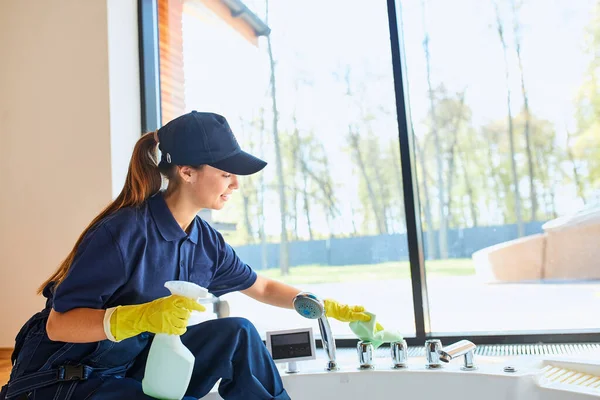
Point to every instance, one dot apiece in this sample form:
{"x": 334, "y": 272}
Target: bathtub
{"x": 534, "y": 379}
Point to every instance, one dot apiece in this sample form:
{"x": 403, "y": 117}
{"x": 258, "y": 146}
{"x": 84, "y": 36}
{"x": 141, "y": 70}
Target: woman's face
{"x": 212, "y": 187}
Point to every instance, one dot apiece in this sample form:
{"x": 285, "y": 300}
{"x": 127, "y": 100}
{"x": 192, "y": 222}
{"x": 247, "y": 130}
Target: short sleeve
{"x": 232, "y": 274}
{"x": 96, "y": 273}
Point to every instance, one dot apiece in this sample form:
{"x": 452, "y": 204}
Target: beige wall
{"x": 69, "y": 115}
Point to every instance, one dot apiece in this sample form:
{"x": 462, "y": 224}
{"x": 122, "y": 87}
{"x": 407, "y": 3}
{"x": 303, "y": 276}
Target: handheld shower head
{"x": 309, "y": 306}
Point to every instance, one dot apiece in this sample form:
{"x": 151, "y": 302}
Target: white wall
{"x": 124, "y": 78}
{"x": 69, "y": 114}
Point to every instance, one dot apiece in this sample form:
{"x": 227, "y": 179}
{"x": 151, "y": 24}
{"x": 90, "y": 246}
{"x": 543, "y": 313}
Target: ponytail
{"x": 143, "y": 180}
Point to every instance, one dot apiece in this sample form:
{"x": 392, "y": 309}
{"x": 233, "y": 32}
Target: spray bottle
{"x": 170, "y": 364}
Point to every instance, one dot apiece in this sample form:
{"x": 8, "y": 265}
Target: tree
{"x": 513, "y": 161}
{"x": 586, "y": 150}
{"x": 283, "y": 246}
{"x": 394, "y": 155}
{"x": 547, "y": 158}
{"x": 453, "y": 124}
{"x": 320, "y": 177}
{"x": 423, "y": 177}
{"x": 293, "y": 166}
{"x": 443, "y": 240}
{"x": 575, "y": 167}
{"x": 261, "y": 195}
{"x": 353, "y": 138}
{"x": 310, "y": 177}
{"x": 248, "y": 188}
{"x": 532, "y": 189}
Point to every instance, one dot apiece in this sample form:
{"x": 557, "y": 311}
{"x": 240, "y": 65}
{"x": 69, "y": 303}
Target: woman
{"x": 108, "y": 297}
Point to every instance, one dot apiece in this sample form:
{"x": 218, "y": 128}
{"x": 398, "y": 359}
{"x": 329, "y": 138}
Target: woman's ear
{"x": 187, "y": 174}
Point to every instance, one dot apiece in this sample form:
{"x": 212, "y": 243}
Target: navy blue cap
{"x": 201, "y": 138}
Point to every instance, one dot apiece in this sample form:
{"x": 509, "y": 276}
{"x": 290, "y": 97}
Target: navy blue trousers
{"x": 229, "y": 349}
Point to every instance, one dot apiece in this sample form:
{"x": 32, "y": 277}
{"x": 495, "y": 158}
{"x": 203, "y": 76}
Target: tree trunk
{"x": 306, "y": 203}
{"x": 431, "y": 247}
{"x": 326, "y": 189}
{"x": 472, "y": 205}
{"x": 296, "y": 154}
{"x": 513, "y": 161}
{"x": 261, "y": 200}
{"x": 443, "y": 240}
{"x": 382, "y": 189}
{"x": 532, "y": 189}
{"x": 576, "y": 177}
{"x": 249, "y": 233}
{"x": 354, "y": 141}
{"x": 553, "y": 202}
{"x": 494, "y": 173}
{"x": 450, "y": 179}
{"x": 295, "y": 215}
{"x": 283, "y": 246}
{"x": 246, "y": 193}
{"x": 399, "y": 186}
{"x": 543, "y": 164}
{"x": 353, "y": 219}
{"x": 465, "y": 162}
{"x": 355, "y": 145}
{"x": 452, "y": 157}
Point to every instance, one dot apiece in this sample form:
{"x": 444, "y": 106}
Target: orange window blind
{"x": 172, "y": 80}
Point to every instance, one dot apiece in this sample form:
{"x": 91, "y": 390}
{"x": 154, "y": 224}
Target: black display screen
{"x": 291, "y": 345}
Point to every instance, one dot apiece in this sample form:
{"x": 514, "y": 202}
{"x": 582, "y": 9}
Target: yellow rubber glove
{"x": 345, "y": 313}
{"x": 165, "y": 315}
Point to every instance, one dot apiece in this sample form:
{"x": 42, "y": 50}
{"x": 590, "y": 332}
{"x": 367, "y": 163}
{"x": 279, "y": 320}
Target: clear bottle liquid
{"x": 170, "y": 364}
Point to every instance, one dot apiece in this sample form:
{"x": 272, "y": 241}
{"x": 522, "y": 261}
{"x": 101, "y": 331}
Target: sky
{"x": 314, "y": 42}
{"x": 552, "y": 52}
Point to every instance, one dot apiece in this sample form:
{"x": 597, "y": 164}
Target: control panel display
{"x": 291, "y": 345}
{"x": 297, "y": 344}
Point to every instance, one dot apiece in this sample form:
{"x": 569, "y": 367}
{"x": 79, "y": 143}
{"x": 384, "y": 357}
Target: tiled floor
{"x": 4, "y": 365}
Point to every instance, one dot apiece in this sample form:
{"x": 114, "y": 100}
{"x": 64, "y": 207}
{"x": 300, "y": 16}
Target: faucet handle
{"x": 399, "y": 351}
{"x": 365, "y": 354}
{"x": 432, "y": 353}
{"x": 462, "y": 348}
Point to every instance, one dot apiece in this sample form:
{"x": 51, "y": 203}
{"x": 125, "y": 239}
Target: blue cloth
{"x": 126, "y": 259}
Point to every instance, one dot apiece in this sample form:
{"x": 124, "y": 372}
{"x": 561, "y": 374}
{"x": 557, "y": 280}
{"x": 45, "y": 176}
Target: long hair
{"x": 143, "y": 180}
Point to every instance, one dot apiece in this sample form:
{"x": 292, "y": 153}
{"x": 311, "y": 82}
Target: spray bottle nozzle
{"x": 186, "y": 289}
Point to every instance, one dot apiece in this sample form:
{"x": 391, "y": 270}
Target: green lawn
{"x": 369, "y": 272}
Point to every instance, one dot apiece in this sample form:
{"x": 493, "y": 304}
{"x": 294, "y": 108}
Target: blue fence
{"x": 377, "y": 249}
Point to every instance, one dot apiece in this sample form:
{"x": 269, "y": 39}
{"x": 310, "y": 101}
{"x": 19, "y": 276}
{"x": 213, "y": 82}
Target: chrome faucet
{"x": 435, "y": 354}
{"x": 310, "y": 306}
{"x": 365, "y": 351}
{"x": 432, "y": 353}
{"x": 462, "y": 348}
{"x": 399, "y": 352}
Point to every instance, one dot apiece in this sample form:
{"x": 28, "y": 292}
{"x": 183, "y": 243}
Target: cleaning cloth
{"x": 371, "y": 331}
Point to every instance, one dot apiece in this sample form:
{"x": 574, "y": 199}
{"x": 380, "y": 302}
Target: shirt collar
{"x": 166, "y": 223}
{"x": 193, "y": 235}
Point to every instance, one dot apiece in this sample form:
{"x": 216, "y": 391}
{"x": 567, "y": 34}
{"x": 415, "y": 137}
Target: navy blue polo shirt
{"x": 128, "y": 256}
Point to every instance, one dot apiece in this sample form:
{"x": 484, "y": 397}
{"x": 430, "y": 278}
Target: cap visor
{"x": 241, "y": 163}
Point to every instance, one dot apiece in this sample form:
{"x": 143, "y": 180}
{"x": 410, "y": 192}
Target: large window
{"x": 505, "y": 105}
{"x": 502, "y": 143}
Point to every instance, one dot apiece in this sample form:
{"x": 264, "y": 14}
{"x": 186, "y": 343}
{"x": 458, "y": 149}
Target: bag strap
{"x": 37, "y": 380}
